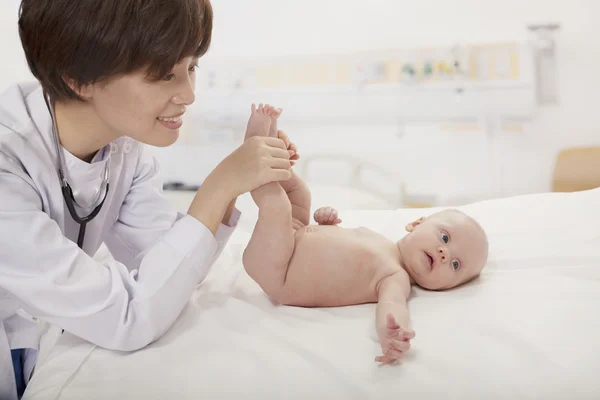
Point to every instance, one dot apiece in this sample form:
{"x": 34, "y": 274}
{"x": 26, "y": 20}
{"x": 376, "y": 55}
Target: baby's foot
{"x": 276, "y": 112}
{"x": 259, "y": 122}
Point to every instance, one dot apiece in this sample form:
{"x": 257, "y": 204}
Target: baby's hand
{"x": 291, "y": 147}
{"x": 327, "y": 216}
{"x": 395, "y": 341}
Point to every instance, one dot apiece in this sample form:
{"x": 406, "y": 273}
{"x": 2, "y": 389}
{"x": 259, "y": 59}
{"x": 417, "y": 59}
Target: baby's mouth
{"x": 430, "y": 260}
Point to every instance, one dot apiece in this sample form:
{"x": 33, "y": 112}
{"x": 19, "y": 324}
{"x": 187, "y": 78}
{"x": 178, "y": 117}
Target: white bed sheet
{"x": 529, "y": 328}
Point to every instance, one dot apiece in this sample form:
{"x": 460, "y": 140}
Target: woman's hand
{"x": 259, "y": 160}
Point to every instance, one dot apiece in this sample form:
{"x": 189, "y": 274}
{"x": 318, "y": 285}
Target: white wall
{"x": 13, "y": 66}
{"x": 522, "y": 162}
{"x": 432, "y": 161}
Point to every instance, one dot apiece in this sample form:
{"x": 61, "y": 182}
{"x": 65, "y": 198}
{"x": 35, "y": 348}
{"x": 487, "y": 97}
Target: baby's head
{"x": 443, "y": 251}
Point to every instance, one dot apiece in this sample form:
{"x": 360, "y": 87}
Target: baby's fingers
{"x": 382, "y": 359}
{"x": 394, "y": 354}
{"x": 318, "y": 215}
{"x": 326, "y": 213}
{"x": 385, "y": 359}
{"x": 400, "y": 345}
{"x": 332, "y": 216}
{"x": 407, "y": 334}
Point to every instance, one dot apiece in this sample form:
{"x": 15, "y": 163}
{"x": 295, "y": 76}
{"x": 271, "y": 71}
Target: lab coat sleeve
{"x": 147, "y": 215}
{"x": 104, "y": 304}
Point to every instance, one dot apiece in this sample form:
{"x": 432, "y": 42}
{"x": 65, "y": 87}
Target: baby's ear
{"x": 410, "y": 227}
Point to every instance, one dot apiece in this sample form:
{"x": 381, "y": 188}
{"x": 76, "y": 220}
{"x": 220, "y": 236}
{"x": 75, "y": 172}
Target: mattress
{"x": 528, "y": 328}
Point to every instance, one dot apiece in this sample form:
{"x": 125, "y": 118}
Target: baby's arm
{"x": 392, "y": 318}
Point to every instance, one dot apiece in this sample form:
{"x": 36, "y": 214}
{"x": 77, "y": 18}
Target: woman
{"x": 116, "y": 75}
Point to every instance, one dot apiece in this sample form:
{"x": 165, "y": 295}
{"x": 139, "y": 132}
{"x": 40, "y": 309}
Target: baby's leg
{"x": 268, "y": 253}
{"x": 260, "y": 124}
{"x": 295, "y": 188}
{"x": 300, "y": 198}
{"x": 267, "y": 256}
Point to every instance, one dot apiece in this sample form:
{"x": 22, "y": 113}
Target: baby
{"x": 324, "y": 265}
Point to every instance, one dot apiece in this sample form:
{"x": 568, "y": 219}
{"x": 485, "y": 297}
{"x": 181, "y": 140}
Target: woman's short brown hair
{"x": 85, "y": 41}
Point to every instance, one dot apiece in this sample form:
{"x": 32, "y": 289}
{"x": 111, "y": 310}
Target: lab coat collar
{"x": 40, "y": 116}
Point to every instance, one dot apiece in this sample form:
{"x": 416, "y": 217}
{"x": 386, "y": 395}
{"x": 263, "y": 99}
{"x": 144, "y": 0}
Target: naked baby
{"x": 325, "y": 265}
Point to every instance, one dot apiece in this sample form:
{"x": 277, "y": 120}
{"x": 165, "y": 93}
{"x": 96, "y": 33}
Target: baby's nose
{"x": 443, "y": 253}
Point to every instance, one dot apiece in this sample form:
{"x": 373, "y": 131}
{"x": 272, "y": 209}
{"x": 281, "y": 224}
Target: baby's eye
{"x": 455, "y": 265}
{"x": 445, "y": 237}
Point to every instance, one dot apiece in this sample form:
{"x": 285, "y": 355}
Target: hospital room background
{"x": 392, "y": 103}
{"x": 396, "y": 107}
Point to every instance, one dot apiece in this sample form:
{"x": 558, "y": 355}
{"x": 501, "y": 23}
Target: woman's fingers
{"x": 280, "y": 163}
{"x": 280, "y": 154}
{"x": 275, "y": 142}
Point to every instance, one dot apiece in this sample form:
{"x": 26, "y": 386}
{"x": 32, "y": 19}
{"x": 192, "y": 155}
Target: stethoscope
{"x": 67, "y": 192}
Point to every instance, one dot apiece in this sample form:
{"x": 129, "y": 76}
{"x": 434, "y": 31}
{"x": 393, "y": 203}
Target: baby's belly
{"x": 330, "y": 267}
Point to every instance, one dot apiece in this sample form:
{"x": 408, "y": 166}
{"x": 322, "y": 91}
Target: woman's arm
{"x": 103, "y": 303}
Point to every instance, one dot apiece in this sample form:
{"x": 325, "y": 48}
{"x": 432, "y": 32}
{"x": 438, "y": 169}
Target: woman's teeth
{"x": 177, "y": 119}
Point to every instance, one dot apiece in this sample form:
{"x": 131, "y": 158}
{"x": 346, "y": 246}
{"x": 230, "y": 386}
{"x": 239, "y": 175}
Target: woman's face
{"x": 148, "y": 111}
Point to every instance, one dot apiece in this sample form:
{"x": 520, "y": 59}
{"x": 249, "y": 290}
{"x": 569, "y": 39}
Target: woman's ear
{"x": 410, "y": 227}
{"x": 83, "y": 91}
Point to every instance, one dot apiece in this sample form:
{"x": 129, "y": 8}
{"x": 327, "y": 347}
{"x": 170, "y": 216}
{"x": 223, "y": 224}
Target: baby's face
{"x": 444, "y": 250}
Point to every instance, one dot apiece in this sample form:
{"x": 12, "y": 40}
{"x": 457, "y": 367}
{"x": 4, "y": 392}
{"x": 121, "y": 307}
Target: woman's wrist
{"x": 212, "y": 201}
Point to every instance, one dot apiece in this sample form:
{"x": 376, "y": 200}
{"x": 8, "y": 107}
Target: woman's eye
{"x": 455, "y": 265}
{"x": 445, "y": 237}
{"x": 193, "y": 68}
{"x": 168, "y": 77}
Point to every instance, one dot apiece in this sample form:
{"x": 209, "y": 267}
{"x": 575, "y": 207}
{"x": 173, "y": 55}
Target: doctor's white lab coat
{"x": 161, "y": 255}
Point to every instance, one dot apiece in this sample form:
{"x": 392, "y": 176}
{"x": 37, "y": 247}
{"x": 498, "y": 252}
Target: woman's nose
{"x": 185, "y": 95}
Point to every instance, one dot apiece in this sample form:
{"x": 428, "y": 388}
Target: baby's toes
{"x": 276, "y": 112}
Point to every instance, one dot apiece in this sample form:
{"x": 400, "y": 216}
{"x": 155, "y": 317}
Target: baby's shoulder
{"x": 386, "y": 262}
